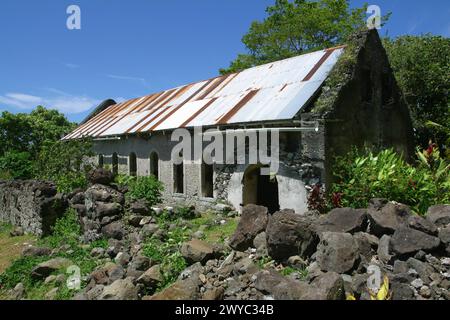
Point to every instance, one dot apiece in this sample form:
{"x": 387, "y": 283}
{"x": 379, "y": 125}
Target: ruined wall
{"x": 32, "y": 205}
{"x": 369, "y": 109}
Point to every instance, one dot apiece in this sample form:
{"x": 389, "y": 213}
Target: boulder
{"x": 187, "y": 289}
{"x": 107, "y": 209}
{"x": 384, "y": 249}
{"x": 122, "y": 289}
{"x": 197, "y": 251}
{"x": 151, "y": 278}
{"x": 327, "y": 286}
{"x": 253, "y": 221}
{"x": 281, "y": 288}
{"x": 367, "y": 244}
{"x": 407, "y": 242}
{"x": 444, "y": 236}
{"x": 421, "y": 224}
{"x": 17, "y": 232}
{"x": 439, "y": 215}
{"x": 345, "y": 220}
{"x": 102, "y": 193}
{"x": 140, "y": 207}
{"x": 134, "y": 220}
{"x": 337, "y": 252}
{"x": 33, "y": 251}
{"x": 289, "y": 234}
{"x": 100, "y": 176}
{"x": 44, "y": 269}
{"x": 388, "y": 218}
{"x": 113, "y": 230}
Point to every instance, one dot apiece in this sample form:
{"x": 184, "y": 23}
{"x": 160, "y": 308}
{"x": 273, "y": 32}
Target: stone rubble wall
{"x": 32, "y": 205}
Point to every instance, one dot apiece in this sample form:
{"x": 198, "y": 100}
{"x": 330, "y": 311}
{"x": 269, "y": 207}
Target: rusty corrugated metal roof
{"x": 275, "y": 91}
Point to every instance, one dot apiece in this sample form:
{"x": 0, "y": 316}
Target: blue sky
{"x": 131, "y": 48}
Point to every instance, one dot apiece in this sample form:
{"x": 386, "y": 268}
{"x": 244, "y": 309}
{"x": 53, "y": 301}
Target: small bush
{"x": 66, "y": 231}
{"x": 16, "y": 165}
{"x": 148, "y": 188}
{"x": 363, "y": 176}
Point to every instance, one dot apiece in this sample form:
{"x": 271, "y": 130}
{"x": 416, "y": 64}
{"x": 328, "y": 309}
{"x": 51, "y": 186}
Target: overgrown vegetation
{"x": 361, "y": 176}
{"x": 422, "y": 67}
{"x": 148, "y": 188}
{"x": 296, "y": 27}
{"x": 65, "y": 163}
{"x": 66, "y": 233}
{"x": 179, "y": 226}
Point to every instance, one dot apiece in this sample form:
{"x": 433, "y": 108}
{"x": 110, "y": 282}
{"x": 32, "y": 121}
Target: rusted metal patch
{"x": 176, "y": 108}
{"x": 198, "y": 112}
{"x": 96, "y": 120}
{"x": 249, "y": 96}
{"x": 114, "y": 118}
{"x": 318, "y": 65}
{"x": 157, "y": 105}
{"x": 212, "y": 88}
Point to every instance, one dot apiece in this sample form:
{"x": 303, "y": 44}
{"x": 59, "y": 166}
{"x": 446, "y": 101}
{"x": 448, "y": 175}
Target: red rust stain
{"x": 318, "y": 65}
{"x": 198, "y": 112}
{"x": 176, "y": 108}
{"x": 238, "y": 107}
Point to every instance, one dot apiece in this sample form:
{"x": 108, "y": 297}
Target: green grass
{"x": 66, "y": 232}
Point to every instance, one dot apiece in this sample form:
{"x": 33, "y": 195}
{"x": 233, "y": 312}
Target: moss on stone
{"x": 341, "y": 74}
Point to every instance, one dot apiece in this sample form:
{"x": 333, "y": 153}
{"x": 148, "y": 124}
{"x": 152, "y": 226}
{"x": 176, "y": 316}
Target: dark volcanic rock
{"x": 100, "y": 176}
{"x": 290, "y": 234}
{"x": 343, "y": 220}
{"x": 407, "y": 242}
{"x": 439, "y": 215}
{"x": 388, "y": 218}
{"x": 253, "y": 221}
{"x": 337, "y": 252}
{"x": 197, "y": 251}
{"x": 114, "y": 230}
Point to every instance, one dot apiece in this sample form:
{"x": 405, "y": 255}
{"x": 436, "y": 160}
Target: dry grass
{"x": 11, "y": 247}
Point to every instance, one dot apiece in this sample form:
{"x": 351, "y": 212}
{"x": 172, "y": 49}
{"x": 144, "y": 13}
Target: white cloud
{"x": 127, "y": 78}
{"x": 20, "y": 100}
{"x": 71, "y": 65}
{"x": 64, "y": 102}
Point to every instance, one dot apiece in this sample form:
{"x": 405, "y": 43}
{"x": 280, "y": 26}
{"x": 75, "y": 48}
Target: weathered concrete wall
{"x": 370, "y": 109}
{"x": 301, "y": 167}
{"x": 32, "y": 205}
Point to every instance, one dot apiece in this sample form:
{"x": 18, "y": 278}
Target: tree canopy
{"x": 23, "y": 135}
{"x": 422, "y": 68}
{"x": 296, "y": 27}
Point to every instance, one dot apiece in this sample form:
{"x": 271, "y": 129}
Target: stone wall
{"x": 32, "y": 205}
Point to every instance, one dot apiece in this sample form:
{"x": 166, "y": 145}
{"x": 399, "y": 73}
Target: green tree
{"x": 296, "y": 27}
{"x": 22, "y": 137}
{"x": 422, "y": 68}
{"x": 65, "y": 163}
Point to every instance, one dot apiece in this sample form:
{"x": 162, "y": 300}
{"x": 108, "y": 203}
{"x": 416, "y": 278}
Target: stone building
{"x": 321, "y": 104}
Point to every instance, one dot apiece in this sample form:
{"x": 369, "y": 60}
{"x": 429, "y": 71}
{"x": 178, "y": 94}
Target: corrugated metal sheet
{"x": 275, "y": 91}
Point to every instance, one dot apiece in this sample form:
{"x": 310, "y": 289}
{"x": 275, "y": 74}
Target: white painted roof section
{"x": 271, "y": 92}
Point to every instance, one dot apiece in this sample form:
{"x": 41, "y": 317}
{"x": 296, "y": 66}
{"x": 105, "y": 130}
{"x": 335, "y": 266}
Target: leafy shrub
{"x": 65, "y": 163}
{"x": 66, "y": 231}
{"x": 363, "y": 176}
{"x": 148, "y": 188}
{"x": 16, "y": 165}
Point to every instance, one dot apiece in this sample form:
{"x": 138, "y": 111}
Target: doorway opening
{"x": 260, "y": 189}
{"x": 154, "y": 165}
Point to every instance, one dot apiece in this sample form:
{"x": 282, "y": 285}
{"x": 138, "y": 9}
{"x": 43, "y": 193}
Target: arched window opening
{"x": 178, "y": 178}
{"x": 132, "y": 164}
{"x": 207, "y": 180}
{"x": 115, "y": 163}
{"x": 154, "y": 165}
